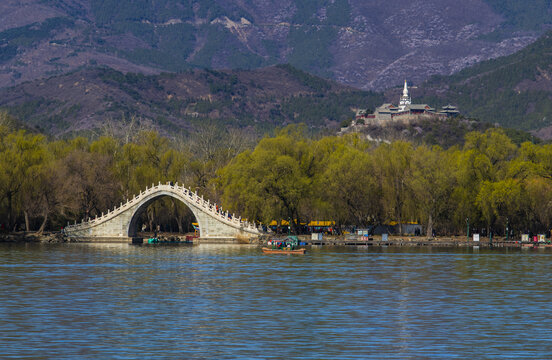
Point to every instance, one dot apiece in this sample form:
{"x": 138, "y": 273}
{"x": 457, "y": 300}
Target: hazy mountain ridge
{"x": 372, "y": 44}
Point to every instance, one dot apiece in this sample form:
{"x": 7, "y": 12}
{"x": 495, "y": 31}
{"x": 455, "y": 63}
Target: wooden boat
{"x": 529, "y": 246}
{"x": 283, "y": 251}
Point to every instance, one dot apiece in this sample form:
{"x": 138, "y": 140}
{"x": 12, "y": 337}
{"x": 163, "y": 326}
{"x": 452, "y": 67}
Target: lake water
{"x": 116, "y": 301}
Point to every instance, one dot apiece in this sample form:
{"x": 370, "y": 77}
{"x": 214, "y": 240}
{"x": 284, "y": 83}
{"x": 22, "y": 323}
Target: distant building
{"x": 405, "y": 112}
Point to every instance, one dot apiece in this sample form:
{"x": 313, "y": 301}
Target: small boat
{"x": 286, "y": 246}
{"x": 284, "y": 251}
{"x": 164, "y": 241}
{"x": 529, "y": 246}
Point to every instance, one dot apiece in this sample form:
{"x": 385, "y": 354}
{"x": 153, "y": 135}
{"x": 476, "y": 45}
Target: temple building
{"x": 405, "y": 112}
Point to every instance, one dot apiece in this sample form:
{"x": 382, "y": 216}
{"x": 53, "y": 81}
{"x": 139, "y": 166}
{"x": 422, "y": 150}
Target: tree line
{"x": 489, "y": 182}
{"x": 45, "y": 184}
{"x": 489, "y": 179}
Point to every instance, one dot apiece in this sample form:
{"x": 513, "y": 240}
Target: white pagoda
{"x": 405, "y": 98}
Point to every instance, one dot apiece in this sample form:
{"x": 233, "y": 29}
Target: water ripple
{"x": 94, "y": 301}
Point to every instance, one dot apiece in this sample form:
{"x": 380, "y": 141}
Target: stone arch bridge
{"x": 121, "y": 222}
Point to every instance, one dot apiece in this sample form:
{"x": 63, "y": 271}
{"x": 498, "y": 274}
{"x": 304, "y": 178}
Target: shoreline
{"x": 29, "y": 237}
{"x": 306, "y": 240}
{"x": 414, "y": 241}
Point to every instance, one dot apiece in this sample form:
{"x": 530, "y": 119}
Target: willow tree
{"x": 273, "y": 181}
{"x": 432, "y": 184}
{"x": 21, "y": 157}
{"x": 348, "y": 185}
{"x": 395, "y": 171}
{"x": 501, "y": 199}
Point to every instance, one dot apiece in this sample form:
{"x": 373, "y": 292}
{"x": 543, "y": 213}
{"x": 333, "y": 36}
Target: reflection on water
{"x": 231, "y": 301}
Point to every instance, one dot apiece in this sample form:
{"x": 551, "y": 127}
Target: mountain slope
{"x": 366, "y": 44}
{"x": 87, "y": 99}
{"x": 514, "y": 91}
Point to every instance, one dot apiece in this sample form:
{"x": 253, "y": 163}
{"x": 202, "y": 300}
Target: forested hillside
{"x": 366, "y": 44}
{"x": 522, "y": 15}
{"x": 514, "y": 91}
{"x": 91, "y": 100}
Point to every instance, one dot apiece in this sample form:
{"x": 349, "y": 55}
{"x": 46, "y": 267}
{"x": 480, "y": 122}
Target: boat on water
{"x": 285, "y": 246}
{"x": 164, "y": 241}
{"x": 284, "y": 251}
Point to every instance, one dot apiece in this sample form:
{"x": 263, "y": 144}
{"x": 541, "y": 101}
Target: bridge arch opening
{"x": 163, "y": 214}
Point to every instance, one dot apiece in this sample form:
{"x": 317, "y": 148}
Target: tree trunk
{"x": 43, "y": 225}
{"x": 150, "y": 221}
{"x": 10, "y": 217}
{"x": 27, "y": 227}
{"x": 400, "y": 225}
{"x": 429, "y": 232}
{"x": 177, "y": 217}
{"x": 292, "y": 223}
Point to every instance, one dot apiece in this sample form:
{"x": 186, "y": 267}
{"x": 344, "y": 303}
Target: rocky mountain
{"x": 367, "y": 44}
{"x": 92, "y": 99}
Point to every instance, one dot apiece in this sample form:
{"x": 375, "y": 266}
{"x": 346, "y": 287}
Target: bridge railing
{"x": 194, "y": 198}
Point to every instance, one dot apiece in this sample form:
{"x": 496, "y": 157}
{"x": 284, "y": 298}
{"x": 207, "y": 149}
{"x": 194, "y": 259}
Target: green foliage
{"x": 29, "y": 35}
{"x": 220, "y": 41}
{"x": 12, "y": 39}
{"x": 7, "y": 52}
{"x": 519, "y": 137}
{"x": 345, "y": 123}
{"x": 217, "y": 38}
{"x": 448, "y": 132}
{"x": 28, "y": 109}
{"x": 311, "y": 43}
{"x": 141, "y": 30}
{"x": 45, "y": 184}
{"x": 111, "y": 11}
{"x": 523, "y": 15}
{"x": 313, "y": 109}
{"x": 274, "y": 179}
{"x": 181, "y": 34}
{"x": 23, "y": 159}
{"x": 336, "y": 12}
{"x": 311, "y": 48}
{"x": 135, "y": 80}
{"x": 221, "y": 83}
{"x": 347, "y": 179}
{"x": 170, "y": 45}
{"x": 306, "y": 12}
{"x": 230, "y": 98}
{"x": 315, "y": 83}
